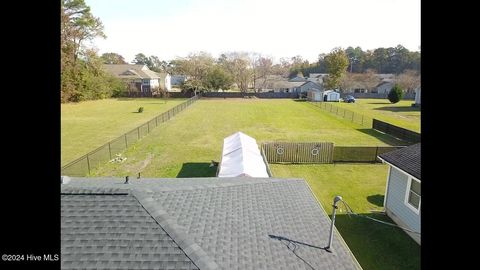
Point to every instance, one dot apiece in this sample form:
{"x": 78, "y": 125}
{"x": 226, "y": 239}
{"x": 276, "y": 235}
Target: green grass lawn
{"x": 90, "y": 124}
{"x": 362, "y": 186}
{"x": 185, "y": 145}
{"x": 401, "y": 114}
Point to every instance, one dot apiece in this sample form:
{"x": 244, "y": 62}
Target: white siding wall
{"x": 384, "y": 88}
{"x": 168, "y": 82}
{"x": 154, "y": 83}
{"x": 396, "y": 191}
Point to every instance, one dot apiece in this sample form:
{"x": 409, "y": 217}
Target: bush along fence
{"x": 321, "y": 152}
{"x": 396, "y": 131}
{"x": 344, "y": 113}
{"x": 111, "y": 150}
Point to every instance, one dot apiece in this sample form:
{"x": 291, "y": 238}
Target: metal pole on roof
{"x": 335, "y": 201}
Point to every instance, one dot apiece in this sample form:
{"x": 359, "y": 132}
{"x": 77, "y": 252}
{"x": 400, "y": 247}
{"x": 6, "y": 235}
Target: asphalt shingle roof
{"x": 114, "y": 231}
{"x": 128, "y": 71}
{"x": 218, "y": 223}
{"x": 407, "y": 159}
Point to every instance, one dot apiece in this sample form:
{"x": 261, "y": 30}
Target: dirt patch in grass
{"x": 140, "y": 165}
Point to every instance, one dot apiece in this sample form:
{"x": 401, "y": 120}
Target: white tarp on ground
{"x": 241, "y": 157}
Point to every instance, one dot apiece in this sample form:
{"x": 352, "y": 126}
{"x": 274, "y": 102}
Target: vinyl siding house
{"x": 275, "y": 83}
{"x": 384, "y": 87}
{"x": 297, "y": 79}
{"x": 403, "y": 196}
{"x": 140, "y": 77}
{"x": 309, "y": 85}
{"x": 178, "y": 79}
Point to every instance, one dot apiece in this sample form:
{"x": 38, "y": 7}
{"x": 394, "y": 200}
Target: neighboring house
{"x": 165, "y": 81}
{"x": 196, "y": 223}
{"x": 140, "y": 77}
{"x": 317, "y": 78}
{"x": 177, "y": 80}
{"x": 403, "y": 196}
{"x": 383, "y": 87}
{"x": 275, "y": 83}
{"x": 417, "y": 97}
{"x": 315, "y": 95}
{"x": 309, "y": 85}
{"x": 297, "y": 79}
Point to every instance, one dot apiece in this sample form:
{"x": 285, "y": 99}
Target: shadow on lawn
{"x": 370, "y": 240}
{"x": 196, "y": 169}
{"x": 383, "y": 137}
{"x": 398, "y": 109}
{"x": 376, "y": 199}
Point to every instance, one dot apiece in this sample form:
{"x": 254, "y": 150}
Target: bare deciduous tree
{"x": 409, "y": 80}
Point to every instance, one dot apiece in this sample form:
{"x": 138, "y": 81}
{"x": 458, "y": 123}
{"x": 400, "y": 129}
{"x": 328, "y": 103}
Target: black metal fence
{"x": 406, "y": 96}
{"x": 249, "y": 94}
{"x": 85, "y": 164}
{"x": 397, "y": 132}
{"x": 344, "y": 113}
{"x": 360, "y": 153}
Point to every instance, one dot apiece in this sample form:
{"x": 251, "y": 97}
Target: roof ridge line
{"x": 191, "y": 249}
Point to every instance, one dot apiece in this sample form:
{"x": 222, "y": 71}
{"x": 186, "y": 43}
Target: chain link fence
{"x": 344, "y": 113}
{"x": 85, "y": 164}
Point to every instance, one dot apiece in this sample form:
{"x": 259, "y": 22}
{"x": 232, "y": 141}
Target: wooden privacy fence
{"x": 321, "y": 152}
{"x": 284, "y": 152}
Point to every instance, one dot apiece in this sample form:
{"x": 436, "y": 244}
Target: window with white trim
{"x": 414, "y": 193}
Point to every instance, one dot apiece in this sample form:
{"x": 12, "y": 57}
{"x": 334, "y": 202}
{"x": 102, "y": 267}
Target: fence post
{"x": 88, "y": 164}
{"x": 110, "y": 150}
{"x": 376, "y": 153}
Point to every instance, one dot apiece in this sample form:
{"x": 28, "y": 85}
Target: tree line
{"x": 83, "y": 77}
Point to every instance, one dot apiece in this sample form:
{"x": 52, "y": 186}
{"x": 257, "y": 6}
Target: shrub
{"x": 140, "y": 110}
{"x": 395, "y": 94}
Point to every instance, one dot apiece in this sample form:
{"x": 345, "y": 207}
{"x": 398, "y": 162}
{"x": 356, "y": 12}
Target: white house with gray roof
{"x": 140, "y": 76}
{"x": 403, "y": 196}
{"x": 196, "y": 223}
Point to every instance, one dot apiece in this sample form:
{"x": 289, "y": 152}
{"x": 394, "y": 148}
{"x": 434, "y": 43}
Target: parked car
{"x": 349, "y": 99}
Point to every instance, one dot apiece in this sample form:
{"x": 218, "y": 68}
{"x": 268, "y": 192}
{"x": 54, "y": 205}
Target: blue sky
{"x": 280, "y": 28}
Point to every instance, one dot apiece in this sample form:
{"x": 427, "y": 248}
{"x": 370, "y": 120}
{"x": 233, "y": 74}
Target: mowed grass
{"x": 362, "y": 186}
{"x": 90, "y": 124}
{"x": 185, "y": 145}
{"x": 401, "y": 114}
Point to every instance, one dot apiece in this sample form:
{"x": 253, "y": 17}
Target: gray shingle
{"x": 407, "y": 159}
{"x": 114, "y": 231}
{"x": 227, "y": 223}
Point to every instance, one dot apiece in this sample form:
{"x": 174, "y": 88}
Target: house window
{"x": 414, "y": 194}
{"x": 146, "y": 81}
